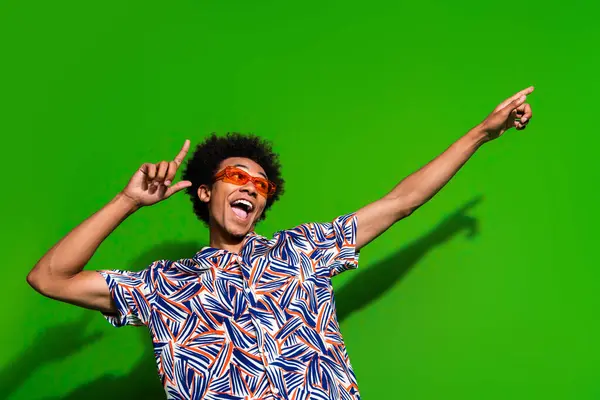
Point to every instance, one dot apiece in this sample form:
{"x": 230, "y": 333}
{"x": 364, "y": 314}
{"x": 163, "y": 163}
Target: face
{"x": 235, "y": 209}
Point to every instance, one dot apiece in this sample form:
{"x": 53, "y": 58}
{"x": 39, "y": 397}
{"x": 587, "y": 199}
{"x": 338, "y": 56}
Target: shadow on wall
{"x": 49, "y": 347}
{"x": 143, "y": 382}
{"x": 64, "y": 340}
{"x": 369, "y": 284}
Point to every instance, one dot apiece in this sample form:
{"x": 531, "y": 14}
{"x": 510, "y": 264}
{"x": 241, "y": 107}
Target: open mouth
{"x": 242, "y": 208}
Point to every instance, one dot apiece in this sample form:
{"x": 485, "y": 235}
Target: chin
{"x": 239, "y": 228}
{"x": 238, "y": 234}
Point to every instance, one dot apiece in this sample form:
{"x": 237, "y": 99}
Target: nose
{"x": 249, "y": 188}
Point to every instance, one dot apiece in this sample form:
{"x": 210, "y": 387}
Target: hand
{"x": 152, "y": 182}
{"x": 512, "y": 112}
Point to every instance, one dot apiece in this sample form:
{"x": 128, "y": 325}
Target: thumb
{"x": 177, "y": 187}
{"x": 512, "y": 105}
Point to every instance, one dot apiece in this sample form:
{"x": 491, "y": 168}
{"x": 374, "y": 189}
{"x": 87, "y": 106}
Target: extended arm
{"x": 422, "y": 185}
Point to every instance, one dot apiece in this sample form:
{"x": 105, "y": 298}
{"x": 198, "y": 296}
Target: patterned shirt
{"x": 260, "y": 324}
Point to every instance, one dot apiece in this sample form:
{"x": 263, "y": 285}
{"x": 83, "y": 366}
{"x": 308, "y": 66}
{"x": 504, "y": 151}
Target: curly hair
{"x": 203, "y": 165}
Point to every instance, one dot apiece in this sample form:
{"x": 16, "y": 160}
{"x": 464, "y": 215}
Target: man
{"x": 247, "y": 317}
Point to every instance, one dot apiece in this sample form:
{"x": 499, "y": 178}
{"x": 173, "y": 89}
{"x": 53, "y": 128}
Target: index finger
{"x": 515, "y": 96}
{"x": 182, "y": 153}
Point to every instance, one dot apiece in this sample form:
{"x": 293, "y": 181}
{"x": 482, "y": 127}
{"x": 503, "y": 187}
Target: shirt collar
{"x": 209, "y": 257}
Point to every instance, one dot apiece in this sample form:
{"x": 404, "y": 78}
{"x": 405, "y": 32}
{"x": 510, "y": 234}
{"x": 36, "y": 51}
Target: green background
{"x": 490, "y": 291}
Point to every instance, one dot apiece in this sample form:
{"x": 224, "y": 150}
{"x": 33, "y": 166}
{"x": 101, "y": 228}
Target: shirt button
{"x": 275, "y": 390}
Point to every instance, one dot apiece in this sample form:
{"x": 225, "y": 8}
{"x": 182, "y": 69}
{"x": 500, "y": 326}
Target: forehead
{"x": 243, "y": 163}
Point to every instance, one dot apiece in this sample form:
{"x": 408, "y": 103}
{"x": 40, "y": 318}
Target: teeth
{"x": 244, "y": 202}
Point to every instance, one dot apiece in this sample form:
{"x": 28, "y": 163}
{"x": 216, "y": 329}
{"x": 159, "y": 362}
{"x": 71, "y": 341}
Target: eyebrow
{"x": 245, "y": 167}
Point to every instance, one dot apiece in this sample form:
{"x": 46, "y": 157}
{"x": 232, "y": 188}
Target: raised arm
{"x": 422, "y": 185}
{"x": 59, "y": 273}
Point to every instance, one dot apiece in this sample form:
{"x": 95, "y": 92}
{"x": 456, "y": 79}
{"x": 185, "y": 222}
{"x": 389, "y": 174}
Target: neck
{"x": 220, "y": 239}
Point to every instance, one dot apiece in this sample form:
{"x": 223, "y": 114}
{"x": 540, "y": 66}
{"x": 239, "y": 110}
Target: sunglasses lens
{"x": 237, "y": 177}
{"x": 262, "y": 185}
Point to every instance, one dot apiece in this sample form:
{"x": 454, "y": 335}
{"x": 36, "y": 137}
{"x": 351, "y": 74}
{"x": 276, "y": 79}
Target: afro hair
{"x": 209, "y": 154}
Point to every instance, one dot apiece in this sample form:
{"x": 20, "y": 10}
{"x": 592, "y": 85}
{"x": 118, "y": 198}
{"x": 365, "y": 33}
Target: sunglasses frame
{"x": 223, "y": 175}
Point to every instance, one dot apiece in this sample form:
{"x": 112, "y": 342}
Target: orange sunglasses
{"x": 240, "y": 177}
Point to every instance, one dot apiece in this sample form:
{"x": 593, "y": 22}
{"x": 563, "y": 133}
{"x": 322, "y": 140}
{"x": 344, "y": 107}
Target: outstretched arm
{"x": 422, "y": 185}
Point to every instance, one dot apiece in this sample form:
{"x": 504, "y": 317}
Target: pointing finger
{"x": 515, "y": 96}
{"x": 182, "y": 153}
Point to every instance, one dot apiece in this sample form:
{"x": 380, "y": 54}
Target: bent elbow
{"x": 33, "y": 279}
{"x": 38, "y": 282}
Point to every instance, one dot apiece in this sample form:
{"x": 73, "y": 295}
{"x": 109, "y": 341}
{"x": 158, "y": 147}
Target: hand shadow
{"x": 370, "y": 284}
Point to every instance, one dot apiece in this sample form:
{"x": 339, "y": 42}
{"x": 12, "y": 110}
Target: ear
{"x": 204, "y": 193}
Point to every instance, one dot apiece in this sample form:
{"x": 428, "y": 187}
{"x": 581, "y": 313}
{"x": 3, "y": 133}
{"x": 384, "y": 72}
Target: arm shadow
{"x": 54, "y": 344}
{"x": 372, "y": 283}
{"x": 64, "y": 340}
{"x": 143, "y": 381}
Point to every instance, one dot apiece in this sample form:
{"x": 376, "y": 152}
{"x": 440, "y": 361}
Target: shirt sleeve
{"x": 132, "y": 294}
{"x": 333, "y": 244}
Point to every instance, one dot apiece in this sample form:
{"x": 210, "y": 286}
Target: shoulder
{"x": 318, "y": 231}
{"x": 168, "y": 276}
{"x": 124, "y": 274}
{"x": 149, "y": 275}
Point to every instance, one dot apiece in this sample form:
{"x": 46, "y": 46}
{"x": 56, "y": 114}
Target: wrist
{"x": 477, "y": 136}
{"x": 128, "y": 203}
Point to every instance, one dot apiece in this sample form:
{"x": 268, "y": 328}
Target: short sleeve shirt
{"x": 260, "y": 324}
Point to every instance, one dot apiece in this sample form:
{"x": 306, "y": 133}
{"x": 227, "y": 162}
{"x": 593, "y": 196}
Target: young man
{"x": 247, "y": 317}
